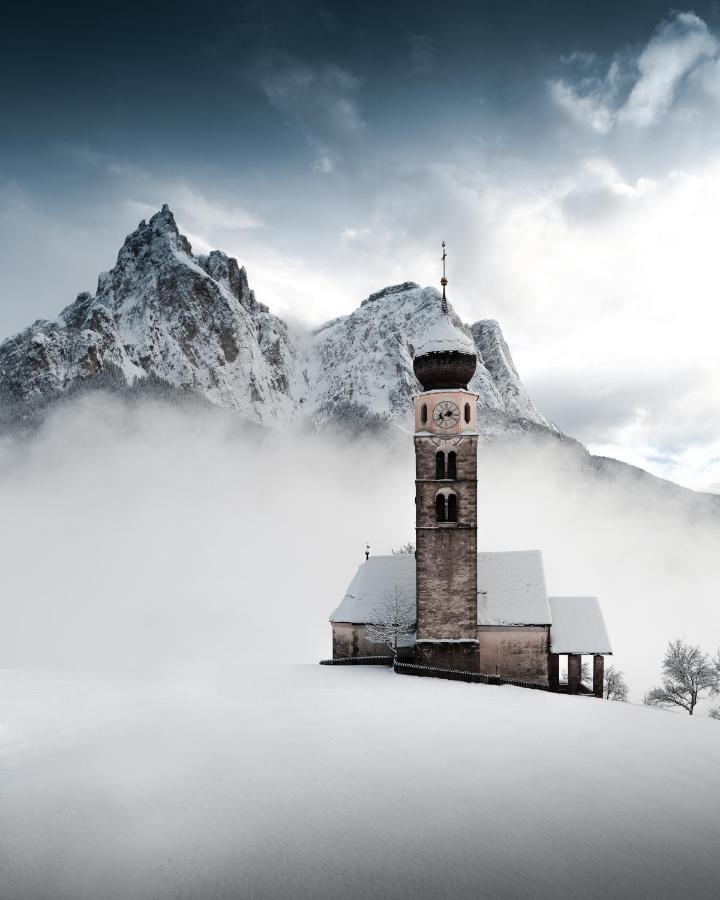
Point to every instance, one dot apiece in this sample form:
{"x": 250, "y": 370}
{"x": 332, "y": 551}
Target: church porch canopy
{"x": 578, "y": 627}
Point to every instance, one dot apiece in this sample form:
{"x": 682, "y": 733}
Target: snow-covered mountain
{"x": 194, "y": 322}
{"x": 366, "y": 358}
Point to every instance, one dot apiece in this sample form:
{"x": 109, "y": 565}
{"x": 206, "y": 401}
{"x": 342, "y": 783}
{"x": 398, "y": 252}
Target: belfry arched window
{"x": 423, "y": 414}
{"x": 439, "y": 465}
{"x": 452, "y": 465}
{"x": 467, "y": 413}
{"x": 440, "y": 512}
{"x": 446, "y": 507}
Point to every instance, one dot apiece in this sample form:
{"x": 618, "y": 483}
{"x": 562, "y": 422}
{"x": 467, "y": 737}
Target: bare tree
{"x": 586, "y": 675}
{"x": 715, "y": 711}
{"x": 406, "y": 549}
{"x": 394, "y": 620}
{"x": 687, "y": 674}
{"x": 614, "y": 685}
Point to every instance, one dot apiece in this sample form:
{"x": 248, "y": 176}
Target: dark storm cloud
{"x": 176, "y": 84}
{"x": 320, "y": 100}
{"x": 423, "y": 53}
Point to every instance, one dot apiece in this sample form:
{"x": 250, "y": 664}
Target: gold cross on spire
{"x": 443, "y": 280}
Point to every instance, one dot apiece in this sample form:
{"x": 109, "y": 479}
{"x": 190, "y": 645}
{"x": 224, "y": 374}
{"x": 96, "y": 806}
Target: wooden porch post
{"x": 598, "y": 675}
{"x": 574, "y": 672}
{"x": 553, "y": 671}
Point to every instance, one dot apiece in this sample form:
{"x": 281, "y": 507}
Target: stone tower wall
{"x": 446, "y": 556}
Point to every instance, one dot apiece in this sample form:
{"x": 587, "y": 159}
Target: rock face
{"x": 367, "y": 358}
{"x": 194, "y": 322}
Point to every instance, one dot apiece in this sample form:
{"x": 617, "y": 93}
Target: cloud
{"x": 659, "y": 421}
{"x": 198, "y": 217}
{"x": 707, "y": 76}
{"x": 207, "y": 213}
{"x": 184, "y": 198}
{"x": 325, "y": 162}
{"x": 320, "y": 99}
{"x": 598, "y": 189}
{"x": 352, "y": 234}
{"x": 639, "y": 90}
{"x": 696, "y": 466}
{"x": 423, "y": 51}
{"x": 604, "y": 284}
{"x": 46, "y": 257}
{"x": 592, "y": 108}
{"x": 303, "y": 291}
{"x": 667, "y": 59}
{"x": 87, "y": 157}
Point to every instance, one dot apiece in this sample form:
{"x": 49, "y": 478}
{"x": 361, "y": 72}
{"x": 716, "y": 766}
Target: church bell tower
{"x": 446, "y": 496}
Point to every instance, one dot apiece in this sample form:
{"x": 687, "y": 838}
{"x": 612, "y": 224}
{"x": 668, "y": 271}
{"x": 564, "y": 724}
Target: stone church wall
{"x": 349, "y": 641}
{"x": 461, "y": 655}
{"x": 519, "y": 651}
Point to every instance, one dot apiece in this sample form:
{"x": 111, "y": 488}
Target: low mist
{"x": 143, "y": 539}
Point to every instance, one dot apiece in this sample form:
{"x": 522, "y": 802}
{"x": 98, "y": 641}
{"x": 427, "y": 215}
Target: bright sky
{"x": 569, "y": 158}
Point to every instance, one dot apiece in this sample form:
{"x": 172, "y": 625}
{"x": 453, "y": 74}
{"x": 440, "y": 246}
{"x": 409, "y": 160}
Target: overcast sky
{"x": 568, "y": 153}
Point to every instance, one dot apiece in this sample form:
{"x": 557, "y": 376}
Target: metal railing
{"x": 359, "y": 661}
{"x": 402, "y": 668}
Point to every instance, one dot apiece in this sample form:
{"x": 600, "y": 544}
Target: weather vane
{"x": 443, "y": 280}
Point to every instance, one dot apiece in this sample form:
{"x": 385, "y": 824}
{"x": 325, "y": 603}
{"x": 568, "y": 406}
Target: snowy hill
{"x": 312, "y": 782}
{"x": 194, "y": 322}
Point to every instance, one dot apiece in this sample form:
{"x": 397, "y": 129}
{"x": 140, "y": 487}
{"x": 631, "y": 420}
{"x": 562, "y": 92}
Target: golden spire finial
{"x": 444, "y": 281}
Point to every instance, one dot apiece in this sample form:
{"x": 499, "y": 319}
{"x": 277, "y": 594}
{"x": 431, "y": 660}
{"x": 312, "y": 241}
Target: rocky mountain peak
{"x": 226, "y": 271}
{"x": 158, "y": 236}
{"x": 390, "y": 291}
{"x": 194, "y": 322}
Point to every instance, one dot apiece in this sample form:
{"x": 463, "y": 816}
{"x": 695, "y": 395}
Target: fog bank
{"x": 143, "y": 538}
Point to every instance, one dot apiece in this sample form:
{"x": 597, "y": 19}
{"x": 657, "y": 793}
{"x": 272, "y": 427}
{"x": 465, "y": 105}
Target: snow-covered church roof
{"x": 372, "y": 581}
{"x": 444, "y": 337}
{"x": 578, "y": 626}
{"x": 511, "y": 591}
{"x": 511, "y": 588}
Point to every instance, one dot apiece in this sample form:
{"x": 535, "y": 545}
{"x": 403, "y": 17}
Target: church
{"x": 475, "y": 611}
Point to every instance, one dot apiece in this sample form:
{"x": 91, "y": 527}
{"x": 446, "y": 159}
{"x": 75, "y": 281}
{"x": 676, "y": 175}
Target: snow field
{"x": 308, "y": 781}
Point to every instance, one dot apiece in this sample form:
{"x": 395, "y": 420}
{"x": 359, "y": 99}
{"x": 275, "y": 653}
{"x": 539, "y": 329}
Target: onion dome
{"x": 445, "y": 358}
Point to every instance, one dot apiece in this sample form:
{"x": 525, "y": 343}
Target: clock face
{"x": 446, "y": 414}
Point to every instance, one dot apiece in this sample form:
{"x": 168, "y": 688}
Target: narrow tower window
{"x": 452, "y": 465}
{"x": 467, "y": 413}
{"x": 452, "y": 508}
{"x": 423, "y": 414}
{"x": 440, "y": 508}
{"x": 439, "y": 465}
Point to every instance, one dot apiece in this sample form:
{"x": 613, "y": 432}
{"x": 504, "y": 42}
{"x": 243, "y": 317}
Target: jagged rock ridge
{"x": 194, "y": 322}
